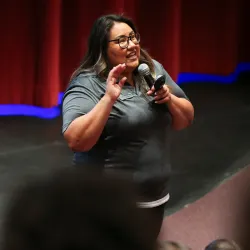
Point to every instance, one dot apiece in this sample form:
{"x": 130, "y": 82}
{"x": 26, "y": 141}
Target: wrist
{"x": 108, "y": 100}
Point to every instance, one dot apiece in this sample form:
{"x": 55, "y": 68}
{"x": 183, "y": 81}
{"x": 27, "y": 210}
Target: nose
{"x": 130, "y": 43}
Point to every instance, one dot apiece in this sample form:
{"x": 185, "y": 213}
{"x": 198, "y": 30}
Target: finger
{"x": 116, "y": 71}
{"x": 162, "y": 96}
{"x": 164, "y": 100}
{"x": 122, "y": 81}
{"x": 151, "y": 91}
{"x": 162, "y": 93}
{"x": 163, "y": 89}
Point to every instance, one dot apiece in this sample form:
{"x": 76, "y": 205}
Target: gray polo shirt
{"x": 136, "y": 139}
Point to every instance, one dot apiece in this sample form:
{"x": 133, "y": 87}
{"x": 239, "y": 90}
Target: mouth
{"x": 132, "y": 55}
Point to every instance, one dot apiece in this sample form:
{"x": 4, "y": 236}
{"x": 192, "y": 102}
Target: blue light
{"x": 202, "y": 78}
{"x": 60, "y": 97}
{"x": 50, "y": 113}
{"x": 28, "y": 110}
{"x": 207, "y": 78}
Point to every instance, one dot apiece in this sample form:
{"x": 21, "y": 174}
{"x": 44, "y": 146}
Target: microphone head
{"x": 144, "y": 70}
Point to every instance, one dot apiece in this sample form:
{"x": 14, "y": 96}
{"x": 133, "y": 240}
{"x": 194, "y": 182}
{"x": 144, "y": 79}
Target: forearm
{"x": 84, "y": 131}
{"x": 182, "y": 112}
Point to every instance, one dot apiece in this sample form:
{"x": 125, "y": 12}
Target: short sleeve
{"x": 78, "y": 100}
{"x": 175, "y": 88}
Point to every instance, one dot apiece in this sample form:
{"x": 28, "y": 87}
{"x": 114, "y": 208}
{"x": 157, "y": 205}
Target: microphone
{"x": 144, "y": 70}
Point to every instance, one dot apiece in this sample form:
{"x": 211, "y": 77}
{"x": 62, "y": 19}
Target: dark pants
{"x": 154, "y": 219}
{"x": 153, "y": 216}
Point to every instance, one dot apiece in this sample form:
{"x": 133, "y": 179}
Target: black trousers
{"x": 153, "y": 219}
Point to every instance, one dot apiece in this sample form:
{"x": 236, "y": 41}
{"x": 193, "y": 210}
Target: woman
{"x": 111, "y": 117}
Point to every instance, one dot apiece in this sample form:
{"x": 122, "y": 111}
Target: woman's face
{"x": 117, "y": 54}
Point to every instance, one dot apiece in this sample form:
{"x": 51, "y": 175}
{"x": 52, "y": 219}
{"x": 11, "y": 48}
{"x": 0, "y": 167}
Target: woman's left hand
{"x": 163, "y": 95}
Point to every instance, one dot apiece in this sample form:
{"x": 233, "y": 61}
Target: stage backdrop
{"x": 43, "y": 41}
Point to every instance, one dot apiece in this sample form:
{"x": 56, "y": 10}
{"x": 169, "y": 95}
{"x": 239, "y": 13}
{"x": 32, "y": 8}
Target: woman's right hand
{"x": 113, "y": 89}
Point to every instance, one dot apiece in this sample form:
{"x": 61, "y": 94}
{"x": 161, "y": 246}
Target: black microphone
{"x": 144, "y": 70}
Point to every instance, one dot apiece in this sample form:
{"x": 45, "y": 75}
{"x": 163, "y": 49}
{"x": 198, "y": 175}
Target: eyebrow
{"x": 131, "y": 32}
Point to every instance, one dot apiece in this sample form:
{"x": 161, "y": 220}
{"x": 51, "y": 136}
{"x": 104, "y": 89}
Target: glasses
{"x": 124, "y": 40}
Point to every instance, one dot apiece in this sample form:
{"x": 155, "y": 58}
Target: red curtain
{"x": 43, "y": 41}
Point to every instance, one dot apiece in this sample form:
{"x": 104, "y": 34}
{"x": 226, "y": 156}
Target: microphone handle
{"x": 150, "y": 80}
